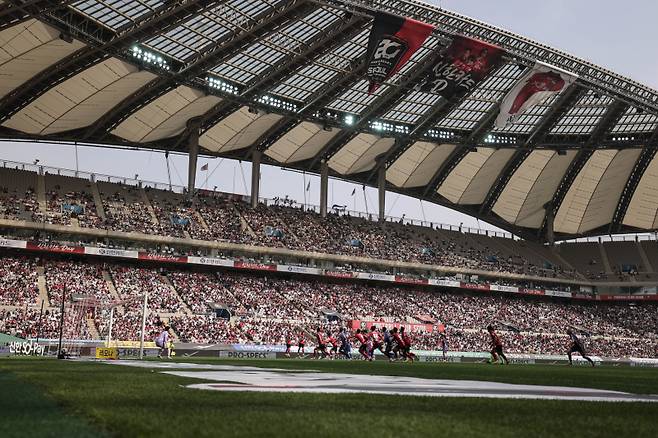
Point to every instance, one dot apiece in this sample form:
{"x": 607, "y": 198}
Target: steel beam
{"x": 324, "y": 188}
{"x": 548, "y": 121}
{"x": 641, "y": 165}
{"x": 222, "y": 49}
{"x": 166, "y": 17}
{"x": 255, "y": 177}
{"x": 523, "y": 49}
{"x": 13, "y": 12}
{"x": 461, "y": 151}
{"x": 613, "y": 113}
{"x": 380, "y": 106}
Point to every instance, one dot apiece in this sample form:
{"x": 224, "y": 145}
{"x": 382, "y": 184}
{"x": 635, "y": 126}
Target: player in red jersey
{"x": 301, "y": 345}
{"x": 288, "y": 343}
{"x": 406, "y": 339}
{"x": 321, "y": 344}
{"x": 334, "y": 345}
{"x": 398, "y": 349}
{"x": 377, "y": 344}
{"x": 363, "y": 348}
{"x": 496, "y": 346}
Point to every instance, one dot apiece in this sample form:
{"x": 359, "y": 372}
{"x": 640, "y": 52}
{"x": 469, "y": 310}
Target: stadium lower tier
{"x": 222, "y": 306}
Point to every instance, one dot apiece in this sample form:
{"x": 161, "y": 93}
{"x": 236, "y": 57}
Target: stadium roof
{"x": 286, "y": 78}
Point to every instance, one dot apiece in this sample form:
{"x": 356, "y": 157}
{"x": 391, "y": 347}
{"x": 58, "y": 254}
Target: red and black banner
{"x": 460, "y": 67}
{"x": 392, "y": 41}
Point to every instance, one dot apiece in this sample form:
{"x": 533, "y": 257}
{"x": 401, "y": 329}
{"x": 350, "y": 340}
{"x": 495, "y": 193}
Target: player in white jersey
{"x": 163, "y": 342}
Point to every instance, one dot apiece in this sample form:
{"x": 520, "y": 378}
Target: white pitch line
{"x": 255, "y": 379}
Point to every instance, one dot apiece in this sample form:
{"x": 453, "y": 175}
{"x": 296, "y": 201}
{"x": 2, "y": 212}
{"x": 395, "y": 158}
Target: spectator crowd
{"x": 230, "y": 307}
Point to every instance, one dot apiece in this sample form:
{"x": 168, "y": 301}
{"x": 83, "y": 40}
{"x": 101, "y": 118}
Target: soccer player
{"x": 301, "y": 344}
{"x": 321, "y": 344}
{"x": 388, "y": 343}
{"x": 363, "y": 348}
{"x": 398, "y": 348}
{"x": 288, "y": 344}
{"x": 496, "y": 346}
{"x": 443, "y": 343}
{"x": 162, "y": 341}
{"x": 577, "y": 347}
{"x": 406, "y": 340}
{"x": 334, "y": 345}
{"x": 345, "y": 345}
{"x": 376, "y": 340}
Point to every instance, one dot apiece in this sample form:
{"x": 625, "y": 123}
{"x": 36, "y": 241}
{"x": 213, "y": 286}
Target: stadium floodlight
{"x": 221, "y": 85}
{"x": 278, "y": 103}
{"x": 147, "y": 57}
{"x": 349, "y": 119}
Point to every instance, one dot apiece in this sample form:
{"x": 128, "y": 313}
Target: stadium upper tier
{"x": 285, "y": 79}
{"x": 278, "y": 228}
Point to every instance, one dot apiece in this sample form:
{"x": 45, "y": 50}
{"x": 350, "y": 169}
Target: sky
{"x": 619, "y": 38}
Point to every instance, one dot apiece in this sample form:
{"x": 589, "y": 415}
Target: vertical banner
{"x": 460, "y": 67}
{"x": 392, "y": 41}
{"x": 533, "y": 88}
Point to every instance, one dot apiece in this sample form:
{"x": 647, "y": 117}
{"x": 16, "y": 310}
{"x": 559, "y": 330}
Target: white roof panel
{"x": 533, "y": 184}
{"x": 485, "y": 178}
{"x": 80, "y": 100}
{"x": 237, "y": 131}
{"x": 416, "y": 166}
{"x": 359, "y": 154}
{"x": 642, "y": 211}
{"x": 461, "y": 176}
{"x": 28, "y": 48}
{"x": 572, "y": 209}
{"x": 301, "y": 143}
{"x": 166, "y": 116}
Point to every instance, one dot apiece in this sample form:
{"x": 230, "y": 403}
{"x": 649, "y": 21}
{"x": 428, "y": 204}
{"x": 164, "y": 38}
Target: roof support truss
{"x": 613, "y": 113}
{"x": 13, "y": 12}
{"x": 222, "y": 49}
{"x": 380, "y": 106}
{"x": 160, "y": 20}
{"x": 548, "y": 121}
{"x": 641, "y": 165}
{"x": 461, "y": 151}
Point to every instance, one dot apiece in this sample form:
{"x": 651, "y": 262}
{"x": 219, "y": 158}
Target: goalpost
{"x": 74, "y": 331}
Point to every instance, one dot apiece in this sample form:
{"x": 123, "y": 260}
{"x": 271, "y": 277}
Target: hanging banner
{"x": 460, "y": 67}
{"x": 533, "y": 88}
{"x": 393, "y": 40}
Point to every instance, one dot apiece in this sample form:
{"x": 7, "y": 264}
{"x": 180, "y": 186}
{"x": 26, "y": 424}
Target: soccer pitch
{"x": 45, "y": 397}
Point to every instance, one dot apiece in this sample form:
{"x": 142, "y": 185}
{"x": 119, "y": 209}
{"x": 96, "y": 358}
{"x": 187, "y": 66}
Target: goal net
{"x": 82, "y": 315}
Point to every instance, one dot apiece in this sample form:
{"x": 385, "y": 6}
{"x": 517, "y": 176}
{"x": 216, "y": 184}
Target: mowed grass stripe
{"x": 130, "y": 401}
{"x": 25, "y": 410}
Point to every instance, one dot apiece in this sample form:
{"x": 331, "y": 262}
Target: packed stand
{"x": 200, "y": 291}
{"x": 18, "y": 281}
{"x": 79, "y": 278}
{"x": 132, "y": 283}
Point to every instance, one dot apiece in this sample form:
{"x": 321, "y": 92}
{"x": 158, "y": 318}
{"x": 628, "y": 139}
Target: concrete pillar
{"x": 381, "y": 186}
{"x": 550, "y": 220}
{"x": 255, "y": 177}
{"x": 324, "y": 188}
{"x": 193, "y": 154}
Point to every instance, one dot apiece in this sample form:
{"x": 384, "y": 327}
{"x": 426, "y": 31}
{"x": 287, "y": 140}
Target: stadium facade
{"x": 284, "y": 83}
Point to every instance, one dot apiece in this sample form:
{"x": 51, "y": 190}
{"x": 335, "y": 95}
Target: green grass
{"x": 126, "y": 401}
{"x": 26, "y": 410}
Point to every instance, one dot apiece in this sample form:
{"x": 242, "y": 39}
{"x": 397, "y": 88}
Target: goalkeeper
{"x": 163, "y": 341}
